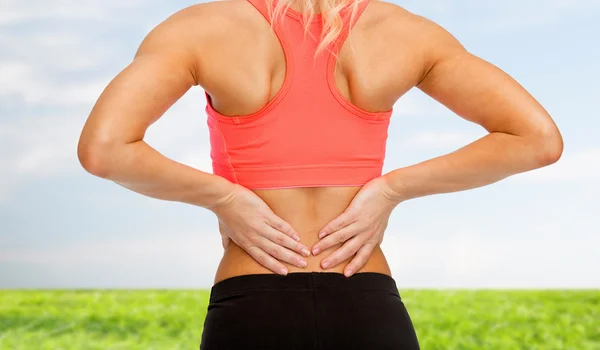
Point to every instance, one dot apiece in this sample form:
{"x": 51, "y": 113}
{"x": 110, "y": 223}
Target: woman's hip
{"x": 307, "y": 310}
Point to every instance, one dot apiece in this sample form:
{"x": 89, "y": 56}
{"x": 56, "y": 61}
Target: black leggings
{"x": 307, "y": 311}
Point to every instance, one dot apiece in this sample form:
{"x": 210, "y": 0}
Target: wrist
{"x": 392, "y": 189}
{"x": 224, "y": 193}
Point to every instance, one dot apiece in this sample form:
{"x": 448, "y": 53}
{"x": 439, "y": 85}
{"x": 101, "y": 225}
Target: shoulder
{"x": 225, "y": 12}
{"x": 192, "y": 35}
{"x": 199, "y": 24}
{"x": 401, "y": 24}
{"x": 401, "y": 29}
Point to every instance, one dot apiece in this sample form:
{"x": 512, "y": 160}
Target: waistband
{"x": 303, "y": 281}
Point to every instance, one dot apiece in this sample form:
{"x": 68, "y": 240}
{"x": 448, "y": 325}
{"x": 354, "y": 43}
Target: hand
{"x": 247, "y": 220}
{"x": 360, "y": 227}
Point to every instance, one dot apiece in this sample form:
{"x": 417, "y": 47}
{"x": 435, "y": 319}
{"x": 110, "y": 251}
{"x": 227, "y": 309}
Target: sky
{"x": 61, "y": 227}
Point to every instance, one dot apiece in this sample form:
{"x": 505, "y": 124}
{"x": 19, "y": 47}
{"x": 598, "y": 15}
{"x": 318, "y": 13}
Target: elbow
{"x": 94, "y": 157}
{"x": 548, "y": 146}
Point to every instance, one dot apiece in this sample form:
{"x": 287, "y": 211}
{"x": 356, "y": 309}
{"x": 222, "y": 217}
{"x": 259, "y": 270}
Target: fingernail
{"x": 305, "y": 251}
{"x": 303, "y": 263}
{"x": 326, "y": 264}
{"x": 321, "y": 234}
{"x": 283, "y": 271}
{"x": 316, "y": 251}
{"x": 297, "y": 238}
{"x": 348, "y": 273}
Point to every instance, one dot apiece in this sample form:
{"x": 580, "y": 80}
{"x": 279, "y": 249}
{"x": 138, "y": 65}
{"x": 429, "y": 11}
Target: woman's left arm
{"x": 522, "y": 136}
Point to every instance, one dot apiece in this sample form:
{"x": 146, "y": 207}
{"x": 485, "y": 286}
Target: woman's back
{"x": 245, "y": 68}
{"x": 308, "y": 210}
{"x": 244, "y": 64}
{"x": 308, "y": 158}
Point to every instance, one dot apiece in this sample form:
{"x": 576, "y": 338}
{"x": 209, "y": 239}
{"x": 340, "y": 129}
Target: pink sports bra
{"x": 309, "y": 134}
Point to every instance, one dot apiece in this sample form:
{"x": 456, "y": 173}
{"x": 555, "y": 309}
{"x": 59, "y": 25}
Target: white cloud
{"x": 574, "y": 166}
{"x": 16, "y": 11}
{"x": 447, "y": 140}
{"x": 176, "y": 259}
{"x": 510, "y": 15}
{"x": 485, "y": 258}
{"x": 32, "y": 73}
{"x": 200, "y": 161}
{"x": 46, "y": 146}
{"x": 118, "y": 251}
{"x": 42, "y": 141}
{"x": 415, "y": 103}
{"x": 42, "y": 146}
{"x": 11, "y": 72}
{"x": 37, "y": 148}
{"x": 25, "y": 82}
{"x": 54, "y": 49}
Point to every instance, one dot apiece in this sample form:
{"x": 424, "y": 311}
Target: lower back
{"x": 307, "y": 210}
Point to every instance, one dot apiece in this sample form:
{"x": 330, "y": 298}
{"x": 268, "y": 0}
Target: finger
{"x": 335, "y": 238}
{"x": 281, "y": 239}
{"x": 266, "y": 260}
{"x": 342, "y": 253}
{"x": 360, "y": 259}
{"x": 338, "y": 223}
{"x": 280, "y": 253}
{"x": 282, "y": 226}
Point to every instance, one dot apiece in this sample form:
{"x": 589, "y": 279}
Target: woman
{"x": 299, "y": 98}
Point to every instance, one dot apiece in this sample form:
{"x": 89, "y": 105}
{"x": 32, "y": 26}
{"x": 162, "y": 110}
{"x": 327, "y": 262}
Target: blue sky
{"x": 61, "y": 227}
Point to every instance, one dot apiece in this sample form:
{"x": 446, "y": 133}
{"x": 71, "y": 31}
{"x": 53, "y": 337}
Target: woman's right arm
{"x": 111, "y": 145}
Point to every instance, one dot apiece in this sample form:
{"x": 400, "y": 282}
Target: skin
{"x": 264, "y": 231}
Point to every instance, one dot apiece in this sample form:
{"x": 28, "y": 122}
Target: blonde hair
{"x": 331, "y": 18}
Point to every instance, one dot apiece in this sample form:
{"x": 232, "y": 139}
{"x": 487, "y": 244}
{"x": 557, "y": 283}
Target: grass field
{"x": 487, "y": 320}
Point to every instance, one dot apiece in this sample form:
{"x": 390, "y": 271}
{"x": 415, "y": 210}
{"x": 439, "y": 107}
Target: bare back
{"x": 229, "y": 49}
{"x": 243, "y": 67}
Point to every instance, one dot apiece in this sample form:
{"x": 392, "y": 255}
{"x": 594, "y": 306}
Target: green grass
{"x": 146, "y": 320}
